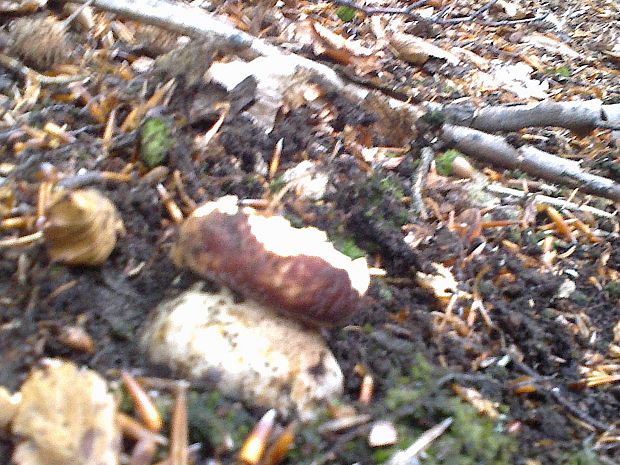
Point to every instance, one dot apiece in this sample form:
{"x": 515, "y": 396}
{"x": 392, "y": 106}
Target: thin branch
{"x": 436, "y": 19}
{"x": 510, "y": 22}
{"x": 374, "y": 10}
{"x": 26, "y": 72}
{"x": 409, "y": 455}
{"x": 417, "y": 203}
{"x": 474, "y": 15}
{"x": 578, "y": 116}
{"x": 495, "y": 149}
{"x": 196, "y": 22}
{"x": 545, "y": 199}
{"x": 556, "y": 394}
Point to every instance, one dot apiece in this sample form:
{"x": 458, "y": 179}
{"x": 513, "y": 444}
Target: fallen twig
{"x": 579, "y": 116}
{"x": 196, "y": 22}
{"x": 496, "y": 150}
{"x": 540, "y": 198}
{"x": 417, "y": 203}
{"x": 26, "y": 72}
{"x": 437, "y": 19}
{"x": 556, "y": 394}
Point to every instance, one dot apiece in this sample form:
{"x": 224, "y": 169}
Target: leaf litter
{"x": 489, "y": 334}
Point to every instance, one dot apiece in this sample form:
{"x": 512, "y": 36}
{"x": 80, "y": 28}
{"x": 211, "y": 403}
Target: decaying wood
{"x": 579, "y": 116}
{"x": 495, "y": 149}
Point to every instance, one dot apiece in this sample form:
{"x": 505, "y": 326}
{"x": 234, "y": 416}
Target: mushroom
{"x": 81, "y": 227}
{"x": 295, "y": 271}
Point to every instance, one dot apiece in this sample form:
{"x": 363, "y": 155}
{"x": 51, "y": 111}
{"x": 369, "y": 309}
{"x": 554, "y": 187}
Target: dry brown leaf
{"x": 332, "y": 40}
{"x": 483, "y": 406}
{"x": 66, "y": 416}
{"x": 550, "y": 44}
{"x": 342, "y": 50}
{"x": 417, "y": 51}
{"x": 21, "y": 7}
{"x": 480, "y": 62}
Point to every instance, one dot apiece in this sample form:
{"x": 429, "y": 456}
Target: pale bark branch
{"x": 419, "y": 181}
{"x": 499, "y": 189}
{"x": 196, "y": 22}
{"x": 579, "y": 116}
{"x": 495, "y": 149}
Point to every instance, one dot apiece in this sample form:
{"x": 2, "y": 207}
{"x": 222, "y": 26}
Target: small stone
{"x": 566, "y": 289}
{"x": 248, "y": 351}
{"x": 382, "y": 433}
{"x": 308, "y": 181}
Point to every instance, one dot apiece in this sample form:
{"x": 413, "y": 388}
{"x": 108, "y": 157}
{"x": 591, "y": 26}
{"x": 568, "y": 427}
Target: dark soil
{"x": 533, "y": 332}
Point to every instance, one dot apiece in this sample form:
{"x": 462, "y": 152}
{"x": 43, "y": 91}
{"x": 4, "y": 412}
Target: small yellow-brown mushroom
{"x": 81, "y": 227}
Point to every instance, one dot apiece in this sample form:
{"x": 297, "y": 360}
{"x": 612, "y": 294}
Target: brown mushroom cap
{"x": 295, "y": 271}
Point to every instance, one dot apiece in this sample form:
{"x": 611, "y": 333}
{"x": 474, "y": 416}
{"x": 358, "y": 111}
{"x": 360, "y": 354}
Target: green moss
{"x": 277, "y": 184}
{"x": 561, "y": 71}
{"x": 389, "y": 185}
{"x": 121, "y": 331}
{"x": 414, "y": 403}
{"x": 382, "y": 455}
{"x": 531, "y": 238}
{"x": 583, "y": 457}
{"x": 579, "y": 298}
{"x": 56, "y": 269}
{"x": 448, "y": 88}
{"x": 514, "y": 235}
{"x": 308, "y": 443}
{"x": 348, "y": 247}
{"x": 214, "y": 420}
{"x": 385, "y": 293}
{"x": 345, "y": 13}
{"x": 155, "y": 141}
{"x": 470, "y": 439}
{"x": 444, "y": 161}
{"x": 384, "y": 194}
{"x": 434, "y": 118}
{"x": 422, "y": 371}
{"x": 613, "y": 289}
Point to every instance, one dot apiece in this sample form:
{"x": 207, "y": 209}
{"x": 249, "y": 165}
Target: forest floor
{"x": 524, "y": 362}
